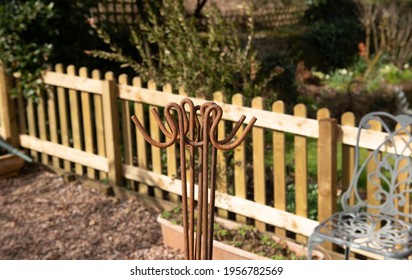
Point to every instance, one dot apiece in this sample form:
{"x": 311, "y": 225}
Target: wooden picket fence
{"x": 82, "y": 124}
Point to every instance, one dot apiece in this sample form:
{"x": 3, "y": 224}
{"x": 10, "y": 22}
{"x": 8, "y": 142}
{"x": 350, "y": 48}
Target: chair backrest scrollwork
{"x": 391, "y": 176}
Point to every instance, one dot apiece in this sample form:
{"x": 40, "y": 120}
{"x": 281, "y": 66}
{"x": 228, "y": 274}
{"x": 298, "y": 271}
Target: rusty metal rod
{"x": 196, "y": 128}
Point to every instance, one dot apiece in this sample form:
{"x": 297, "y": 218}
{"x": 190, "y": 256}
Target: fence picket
{"x": 126, "y": 124}
{"x": 21, "y": 109}
{"x": 402, "y": 179}
{"x": 348, "y": 156}
{"x": 51, "y": 111}
{"x": 125, "y": 115}
{"x": 322, "y": 113}
{"x": 140, "y": 142}
{"x": 154, "y": 133}
{"x": 75, "y": 119}
{"x": 171, "y": 155}
{"x": 301, "y": 170}
{"x": 87, "y": 122}
{"x": 372, "y": 183}
{"x": 31, "y": 121}
{"x": 259, "y": 161}
{"x": 190, "y": 151}
{"x": 239, "y": 161}
{"x": 63, "y": 117}
{"x": 279, "y": 166}
{"x": 221, "y": 168}
{"x": 41, "y": 114}
{"x": 109, "y": 76}
{"x": 99, "y": 124}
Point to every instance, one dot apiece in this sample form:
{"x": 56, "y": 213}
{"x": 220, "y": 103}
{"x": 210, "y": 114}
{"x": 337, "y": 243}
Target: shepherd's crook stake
{"x": 199, "y": 133}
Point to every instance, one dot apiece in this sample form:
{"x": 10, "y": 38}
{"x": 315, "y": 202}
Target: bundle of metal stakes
{"x": 195, "y": 128}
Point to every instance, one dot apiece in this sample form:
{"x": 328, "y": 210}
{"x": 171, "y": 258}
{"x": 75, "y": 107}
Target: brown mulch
{"x": 42, "y": 217}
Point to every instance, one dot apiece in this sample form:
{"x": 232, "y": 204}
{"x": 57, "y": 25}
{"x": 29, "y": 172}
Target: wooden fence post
{"x": 112, "y": 132}
{"x": 327, "y": 171}
{"x": 8, "y": 119}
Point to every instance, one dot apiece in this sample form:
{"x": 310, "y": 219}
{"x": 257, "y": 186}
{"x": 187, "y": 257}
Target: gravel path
{"x": 42, "y": 217}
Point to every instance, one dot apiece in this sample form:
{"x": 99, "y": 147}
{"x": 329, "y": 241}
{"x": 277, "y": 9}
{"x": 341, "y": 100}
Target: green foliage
{"x": 170, "y": 46}
{"x": 166, "y": 215}
{"x": 36, "y": 33}
{"x": 332, "y": 33}
{"x": 371, "y": 79}
{"x": 220, "y": 232}
{"x": 23, "y": 24}
{"x": 244, "y": 229}
{"x": 312, "y": 200}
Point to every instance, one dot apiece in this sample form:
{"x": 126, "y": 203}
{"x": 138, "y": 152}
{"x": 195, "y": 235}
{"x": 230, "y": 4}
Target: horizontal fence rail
{"x": 82, "y": 124}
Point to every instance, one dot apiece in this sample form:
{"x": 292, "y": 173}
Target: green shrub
{"x": 171, "y": 46}
{"x": 332, "y": 33}
{"x": 37, "y": 33}
{"x": 23, "y": 25}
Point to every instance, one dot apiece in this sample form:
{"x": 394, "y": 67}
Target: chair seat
{"x": 380, "y": 234}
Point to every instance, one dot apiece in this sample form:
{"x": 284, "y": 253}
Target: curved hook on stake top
{"x": 222, "y": 144}
{"x": 191, "y": 122}
{"x": 171, "y": 123}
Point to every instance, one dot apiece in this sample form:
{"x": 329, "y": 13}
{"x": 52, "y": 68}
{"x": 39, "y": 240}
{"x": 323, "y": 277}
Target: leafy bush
{"x": 23, "y": 24}
{"x": 332, "y": 33}
{"x": 37, "y": 33}
{"x": 170, "y": 46}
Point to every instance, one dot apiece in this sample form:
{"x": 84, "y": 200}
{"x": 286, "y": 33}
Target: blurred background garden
{"x": 343, "y": 54}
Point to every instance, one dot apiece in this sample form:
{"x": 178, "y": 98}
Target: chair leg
{"x": 347, "y": 252}
{"x": 312, "y": 241}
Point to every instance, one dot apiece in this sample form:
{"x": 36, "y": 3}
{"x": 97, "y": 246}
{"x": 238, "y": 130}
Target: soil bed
{"x": 245, "y": 237}
{"x": 42, "y": 217}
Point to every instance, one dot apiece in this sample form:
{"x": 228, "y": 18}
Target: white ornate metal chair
{"x": 381, "y": 226}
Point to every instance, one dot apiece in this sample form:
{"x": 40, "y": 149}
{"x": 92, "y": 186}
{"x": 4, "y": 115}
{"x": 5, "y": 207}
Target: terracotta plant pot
{"x": 173, "y": 237}
{"x": 10, "y": 165}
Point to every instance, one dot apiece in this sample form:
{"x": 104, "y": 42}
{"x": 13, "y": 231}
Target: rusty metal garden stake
{"x": 200, "y": 135}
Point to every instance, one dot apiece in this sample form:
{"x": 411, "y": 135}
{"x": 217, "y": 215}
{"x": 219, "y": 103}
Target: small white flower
{"x": 406, "y": 66}
{"x": 318, "y": 74}
{"x": 167, "y": 52}
{"x": 343, "y": 71}
{"x": 327, "y": 77}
